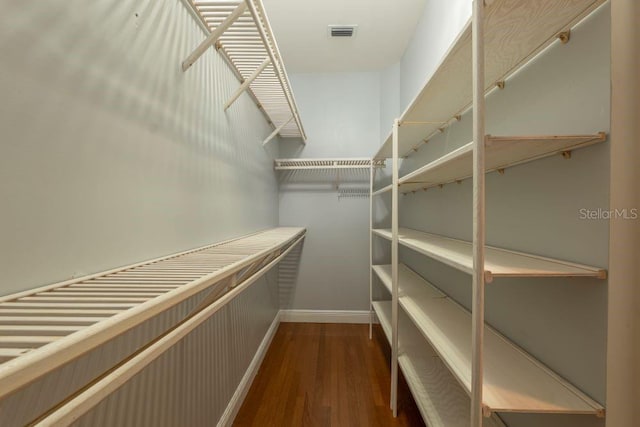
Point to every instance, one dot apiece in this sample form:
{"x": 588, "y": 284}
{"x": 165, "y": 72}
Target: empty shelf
{"x": 47, "y": 327}
{"x": 513, "y": 380}
{"x": 383, "y": 312}
{"x": 515, "y": 31}
{"x": 498, "y": 262}
{"x": 501, "y": 153}
{"x": 346, "y": 163}
{"x": 439, "y": 397}
{"x": 245, "y": 45}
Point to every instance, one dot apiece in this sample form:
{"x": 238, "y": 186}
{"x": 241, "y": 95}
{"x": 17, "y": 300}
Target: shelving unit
{"x": 501, "y": 37}
{"x": 241, "y": 32}
{"x": 501, "y": 153}
{"x": 336, "y": 172}
{"x": 439, "y": 397}
{"x": 58, "y": 323}
{"x": 515, "y": 32}
{"x": 514, "y": 380}
{"x": 498, "y": 262}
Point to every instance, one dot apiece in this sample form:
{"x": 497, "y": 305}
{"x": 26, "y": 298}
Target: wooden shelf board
{"x": 500, "y": 153}
{"x": 383, "y": 313}
{"x": 515, "y": 31}
{"x": 383, "y": 190}
{"x": 513, "y": 380}
{"x": 498, "y": 262}
{"x": 440, "y": 399}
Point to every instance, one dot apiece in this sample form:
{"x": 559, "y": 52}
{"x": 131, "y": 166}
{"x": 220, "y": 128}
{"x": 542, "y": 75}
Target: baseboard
{"x": 235, "y": 403}
{"x": 325, "y": 316}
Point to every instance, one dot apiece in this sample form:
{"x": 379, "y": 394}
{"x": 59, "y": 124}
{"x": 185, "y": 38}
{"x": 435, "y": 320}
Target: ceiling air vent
{"x": 342, "y": 30}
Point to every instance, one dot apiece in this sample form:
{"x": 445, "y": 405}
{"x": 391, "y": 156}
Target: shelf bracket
{"x": 565, "y": 36}
{"x": 245, "y": 85}
{"x": 500, "y": 84}
{"x": 566, "y": 154}
{"x": 214, "y": 36}
{"x": 501, "y": 171}
{"x": 276, "y": 131}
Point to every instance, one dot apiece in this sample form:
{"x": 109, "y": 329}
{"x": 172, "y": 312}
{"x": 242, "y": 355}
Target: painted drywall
{"x": 110, "y": 154}
{"x": 389, "y": 98}
{"x": 536, "y": 208}
{"x": 341, "y": 112}
{"x": 440, "y": 23}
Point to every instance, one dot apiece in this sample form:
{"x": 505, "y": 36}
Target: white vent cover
{"x": 342, "y": 30}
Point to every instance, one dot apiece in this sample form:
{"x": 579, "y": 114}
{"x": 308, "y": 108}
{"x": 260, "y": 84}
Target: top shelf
{"x": 501, "y": 152}
{"x": 245, "y": 45}
{"x": 515, "y": 31}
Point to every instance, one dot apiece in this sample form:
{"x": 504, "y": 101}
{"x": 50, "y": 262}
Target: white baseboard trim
{"x": 235, "y": 403}
{"x": 325, "y": 316}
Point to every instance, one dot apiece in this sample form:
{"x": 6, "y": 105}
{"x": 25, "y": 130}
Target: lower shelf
{"x": 440, "y": 399}
{"x": 513, "y": 380}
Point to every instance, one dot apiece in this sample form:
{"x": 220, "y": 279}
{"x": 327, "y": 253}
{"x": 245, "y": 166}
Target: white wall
{"x": 440, "y": 23}
{"x": 389, "y": 99}
{"x": 110, "y": 154}
{"x": 341, "y": 112}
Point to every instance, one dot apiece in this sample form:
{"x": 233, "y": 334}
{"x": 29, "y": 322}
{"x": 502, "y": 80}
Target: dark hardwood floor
{"x": 326, "y": 375}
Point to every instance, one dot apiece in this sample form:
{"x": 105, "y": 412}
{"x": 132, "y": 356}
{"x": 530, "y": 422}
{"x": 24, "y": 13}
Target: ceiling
{"x": 300, "y": 28}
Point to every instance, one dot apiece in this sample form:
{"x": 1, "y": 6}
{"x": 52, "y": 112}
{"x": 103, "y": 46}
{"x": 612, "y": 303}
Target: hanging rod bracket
{"x": 214, "y": 36}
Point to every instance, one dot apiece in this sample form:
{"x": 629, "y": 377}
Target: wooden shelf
{"x": 439, "y": 397}
{"x": 515, "y": 31}
{"x": 513, "y": 380}
{"x": 500, "y": 153}
{"x": 498, "y": 262}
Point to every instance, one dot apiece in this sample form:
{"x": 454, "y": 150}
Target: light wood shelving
{"x": 515, "y": 31}
{"x": 501, "y": 153}
{"x": 514, "y": 380}
{"x": 498, "y": 262}
{"x": 497, "y": 374}
{"x": 440, "y": 399}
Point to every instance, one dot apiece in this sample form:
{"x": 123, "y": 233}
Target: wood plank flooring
{"x": 326, "y": 375}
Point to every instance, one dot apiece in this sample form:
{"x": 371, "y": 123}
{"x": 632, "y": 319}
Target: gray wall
{"x": 535, "y": 208}
{"x": 110, "y": 154}
{"x": 440, "y": 23}
{"x": 341, "y": 112}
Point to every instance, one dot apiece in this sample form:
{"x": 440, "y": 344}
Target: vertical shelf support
{"x": 245, "y": 85}
{"x": 394, "y": 271}
{"x": 371, "y": 176}
{"x": 276, "y": 131}
{"x": 477, "y": 324}
{"x": 214, "y": 36}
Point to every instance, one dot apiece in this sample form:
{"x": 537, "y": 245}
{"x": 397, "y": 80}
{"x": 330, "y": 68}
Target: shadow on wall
{"x": 289, "y": 270}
